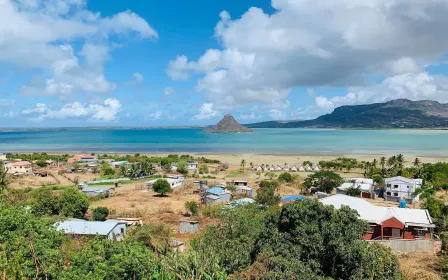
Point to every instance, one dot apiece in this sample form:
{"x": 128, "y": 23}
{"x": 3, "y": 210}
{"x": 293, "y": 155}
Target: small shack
{"x": 240, "y": 183}
{"x": 109, "y": 229}
{"x": 90, "y": 192}
{"x": 216, "y": 195}
{"x": 188, "y": 226}
{"x": 245, "y": 190}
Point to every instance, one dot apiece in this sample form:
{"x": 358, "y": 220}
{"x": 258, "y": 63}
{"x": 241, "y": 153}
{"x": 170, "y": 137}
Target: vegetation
{"x": 100, "y": 213}
{"x": 323, "y": 181}
{"x": 339, "y": 164}
{"x": 353, "y": 191}
{"x": 285, "y": 177}
{"x": 182, "y": 167}
{"x": 3, "y": 181}
{"x": 37, "y": 157}
{"x": 192, "y": 207}
{"x": 73, "y": 203}
{"x": 162, "y": 187}
{"x": 203, "y": 169}
{"x": 266, "y": 194}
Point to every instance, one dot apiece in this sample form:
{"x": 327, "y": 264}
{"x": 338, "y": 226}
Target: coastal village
{"x": 198, "y": 188}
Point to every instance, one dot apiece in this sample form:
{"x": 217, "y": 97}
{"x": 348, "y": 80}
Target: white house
{"x": 365, "y": 185}
{"x": 272, "y": 168}
{"x": 19, "y": 168}
{"x": 3, "y": 156}
{"x": 109, "y": 229}
{"x": 286, "y": 168}
{"x": 174, "y": 181}
{"x": 301, "y": 168}
{"x": 278, "y": 168}
{"x": 192, "y": 166}
{"x": 258, "y": 168}
{"x": 294, "y": 168}
{"x": 398, "y": 188}
{"x": 315, "y": 167}
{"x": 308, "y": 168}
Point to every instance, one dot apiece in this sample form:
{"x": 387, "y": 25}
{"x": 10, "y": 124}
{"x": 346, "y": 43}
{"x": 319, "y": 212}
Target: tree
{"x": 161, "y": 186}
{"x": 108, "y": 171}
{"x": 182, "y": 167}
{"x": 258, "y": 173}
{"x": 417, "y": 163}
{"x": 285, "y": 177}
{"x": 266, "y": 194}
{"x": 307, "y": 162}
{"x": 41, "y": 163}
{"x": 73, "y": 203}
{"x": 45, "y": 204}
{"x": 100, "y": 213}
{"x": 123, "y": 171}
{"x": 243, "y": 163}
{"x": 270, "y": 175}
{"x": 3, "y": 180}
{"x": 324, "y": 181}
{"x": 192, "y": 207}
{"x": 383, "y": 162}
{"x": 353, "y": 191}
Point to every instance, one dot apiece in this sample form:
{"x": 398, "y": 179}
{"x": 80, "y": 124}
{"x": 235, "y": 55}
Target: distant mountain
{"x": 400, "y": 113}
{"x": 228, "y": 125}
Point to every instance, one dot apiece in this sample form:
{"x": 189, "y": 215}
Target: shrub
{"x": 100, "y": 213}
{"x": 192, "y": 207}
{"x": 285, "y": 177}
{"x": 353, "y": 191}
{"x": 45, "y": 204}
{"x": 266, "y": 194}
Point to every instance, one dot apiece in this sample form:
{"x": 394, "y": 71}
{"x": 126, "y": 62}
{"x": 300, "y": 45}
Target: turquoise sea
{"x": 262, "y": 141}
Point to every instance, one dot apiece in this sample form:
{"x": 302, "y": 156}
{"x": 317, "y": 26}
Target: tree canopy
{"x": 267, "y": 193}
{"x": 162, "y": 187}
{"x": 324, "y": 181}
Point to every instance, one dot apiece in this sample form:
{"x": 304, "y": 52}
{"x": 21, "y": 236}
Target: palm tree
{"x": 151, "y": 169}
{"x": 400, "y": 161}
{"x": 251, "y": 164}
{"x": 391, "y": 162}
{"x": 374, "y": 163}
{"x": 383, "y": 162}
{"x": 243, "y": 163}
{"x": 417, "y": 163}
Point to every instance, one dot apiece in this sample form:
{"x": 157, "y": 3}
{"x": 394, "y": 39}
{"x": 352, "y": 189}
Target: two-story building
{"x": 401, "y": 188}
{"x": 19, "y": 168}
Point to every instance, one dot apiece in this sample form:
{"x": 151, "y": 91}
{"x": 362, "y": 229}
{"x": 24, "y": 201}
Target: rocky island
{"x": 228, "y": 124}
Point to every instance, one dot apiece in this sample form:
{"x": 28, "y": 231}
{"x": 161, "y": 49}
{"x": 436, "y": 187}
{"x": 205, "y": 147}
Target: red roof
{"x": 20, "y": 163}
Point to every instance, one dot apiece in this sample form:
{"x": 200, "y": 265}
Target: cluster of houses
{"x": 287, "y": 168}
{"x": 396, "y": 188}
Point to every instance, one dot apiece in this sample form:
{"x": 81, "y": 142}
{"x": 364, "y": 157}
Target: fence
{"x": 414, "y": 245}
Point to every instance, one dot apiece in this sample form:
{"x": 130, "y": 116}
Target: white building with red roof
{"x": 19, "y": 168}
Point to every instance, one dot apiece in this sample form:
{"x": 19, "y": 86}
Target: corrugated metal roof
{"x": 215, "y": 190}
{"x": 86, "y": 227}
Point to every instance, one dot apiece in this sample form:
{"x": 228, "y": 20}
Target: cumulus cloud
{"x": 206, "y": 111}
{"x": 154, "y": 116}
{"x": 264, "y": 56}
{"x": 276, "y": 114}
{"x": 43, "y": 42}
{"x": 9, "y": 115}
{"x": 100, "y": 112}
{"x": 249, "y": 116}
{"x": 169, "y": 91}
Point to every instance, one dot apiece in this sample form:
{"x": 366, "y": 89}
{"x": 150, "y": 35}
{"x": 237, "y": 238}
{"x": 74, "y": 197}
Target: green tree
{"x": 100, "y": 213}
{"x": 162, "y": 187}
{"x": 3, "y": 180}
{"x": 307, "y": 162}
{"x": 45, "y": 204}
{"x": 182, "y": 167}
{"x": 258, "y": 173}
{"x": 124, "y": 171}
{"x": 192, "y": 207}
{"x": 353, "y": 191}
{"x": 324, "y": 181}
{"x": 267, "y": 193}
{"x": 108, "y": 171}
{"x": 270, "y": 175}
{"x": 73, "y": 203}
{"x": 243, "y": 164}
{"x": 41, "y": 163}
{"x": 285, "y": 177}
{"x": 203, "y": 169}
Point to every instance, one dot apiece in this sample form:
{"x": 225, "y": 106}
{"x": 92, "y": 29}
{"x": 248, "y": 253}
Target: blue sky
{"x": 148, "y": 63}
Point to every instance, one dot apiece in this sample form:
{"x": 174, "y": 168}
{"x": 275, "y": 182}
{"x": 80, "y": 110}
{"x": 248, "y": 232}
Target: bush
{"x": 73, "y": 203}
{"x": 192, "y": 207}
{"x": 324, "y": 181}
{"x": 285, "y": 177}
{"x": 203, "y": 169}
{"x": 212, "y": 211}
{"x": 353, "y": 191}
{"x": 45, "y": 204}
{"x": 100, "y": 213}
{"x": 108, "y": 171}
{"x": 162, "y": 187}
{"x": 266, "y": 194}
{"x": 182, "y": 167}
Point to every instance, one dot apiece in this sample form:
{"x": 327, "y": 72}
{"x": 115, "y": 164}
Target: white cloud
{"x": 100, "y": 112}
{"x": 264, "y": 56}
{"x": 276, "y": 114}
{"x": 6, "y": 102}
{"x": 169, "y": 91}
{"x": 154, "y": 116}
{"x": 9, "y": 115}
{"x": 39, "y": 35}
{"x": 249, "y": 116}
{"x": 206, "y": 111}
{"x": 310, "y": 92}
{"x": 138, "y": 78}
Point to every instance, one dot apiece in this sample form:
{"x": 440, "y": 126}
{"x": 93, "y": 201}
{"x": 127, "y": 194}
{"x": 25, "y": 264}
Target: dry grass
{"x": 419, "y": 266}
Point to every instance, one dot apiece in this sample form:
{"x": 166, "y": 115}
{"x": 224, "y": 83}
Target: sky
{"x": 168, "y": 63}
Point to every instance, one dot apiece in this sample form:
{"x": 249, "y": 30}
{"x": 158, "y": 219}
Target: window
{"x": 395, "y": 194}
{"x": 395, "y": 186}
{"x": 388, "y": 193}
{"x": 419, "y": 232}
{"x": 371, "y": 229}
{"x": 408, "y": 187}
{"x": 396, "y": 232}
{"x": 388, "y": 185}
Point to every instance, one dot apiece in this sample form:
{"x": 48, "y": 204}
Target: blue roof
{"x": 294, "y": 197}
{"x": 215, "y": 190}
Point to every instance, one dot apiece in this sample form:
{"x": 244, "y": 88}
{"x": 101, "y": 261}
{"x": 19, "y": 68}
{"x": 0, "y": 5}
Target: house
{"x": 259, "y": 168}
{"x": 301, "y": 168}
{"x": 109, "y": 229}
{"x": 238, "y": 202}
{"x": 128, "y": 221}
{"x": 19, "y": 168}
{"x": 401, "y": 188}
{"x": 315, "y": 167}
{"x": 292, "y": 198}
{"x": 245, "y": 189}
{"x": 240, "y": 183}
{"x": 294, "y": 168}
{"x": 192, "y": 166}
{"x": 118, "y": 164}
{"x": 272, "y": 168}
{"x": 216, "y": 195}
{"x": 82, "y": 158}
{"x": 286, "y": 168}
{"x": 90, "y": 192}
{"x": 174, "y": 181}
{"x": 386, "y": 222}
{"x": 41, "y": 173}
{"x": 3, "y": 156}
{"x": 188, "y": 226}
{"x": 365, "y": 185}
{"x": 278, "y": 168}
{"x": 308, "y": 168}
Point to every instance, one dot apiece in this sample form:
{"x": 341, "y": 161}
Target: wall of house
{"x": 186, "y": 227}
{"x": 417, "y": 245}
{"x": 404, "y": 190}
{"x": 19, "y": 169}
{"x": 118, "y": 232}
